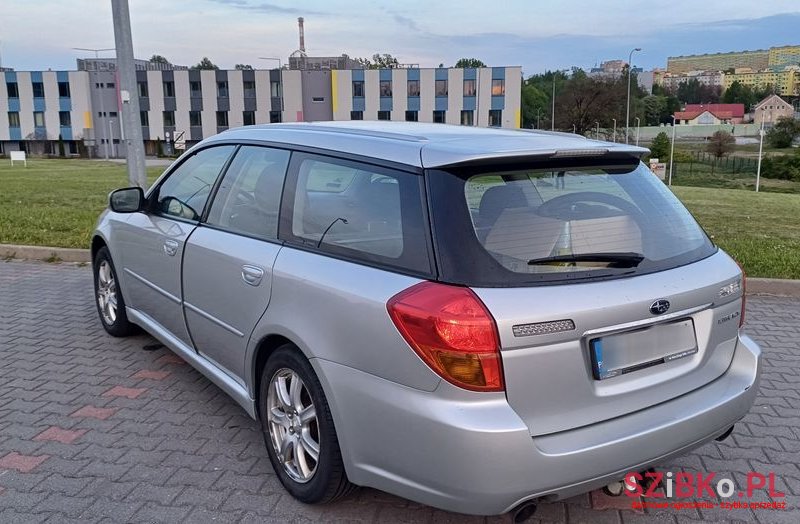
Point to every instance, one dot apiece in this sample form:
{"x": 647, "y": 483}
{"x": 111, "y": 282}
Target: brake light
{"x": 452, "y": 332}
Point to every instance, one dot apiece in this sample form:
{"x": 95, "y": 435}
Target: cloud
{"x": 269, "y": 8}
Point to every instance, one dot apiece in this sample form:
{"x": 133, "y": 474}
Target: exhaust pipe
{"x": 725, "y": 435}
{"x": 523, "y": 512}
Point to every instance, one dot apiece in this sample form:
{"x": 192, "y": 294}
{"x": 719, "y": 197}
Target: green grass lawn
{"x": 56, "y": 203}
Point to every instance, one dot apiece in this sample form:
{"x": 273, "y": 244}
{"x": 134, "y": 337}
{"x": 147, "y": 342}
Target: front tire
{"x": 298, "y": 429}
{"x": 108, "y": 296}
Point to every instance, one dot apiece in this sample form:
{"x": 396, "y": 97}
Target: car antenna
{"x": 344, "y": 221}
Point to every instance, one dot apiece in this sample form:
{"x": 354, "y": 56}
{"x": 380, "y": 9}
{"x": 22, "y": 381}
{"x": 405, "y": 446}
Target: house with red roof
{"x": 710, "y": 114}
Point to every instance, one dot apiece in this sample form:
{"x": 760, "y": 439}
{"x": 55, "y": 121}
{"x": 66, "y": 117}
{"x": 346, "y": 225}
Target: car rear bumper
{"x": 473, "y": 454}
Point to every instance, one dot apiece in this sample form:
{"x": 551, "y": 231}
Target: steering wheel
{"x": 565, "y": 207}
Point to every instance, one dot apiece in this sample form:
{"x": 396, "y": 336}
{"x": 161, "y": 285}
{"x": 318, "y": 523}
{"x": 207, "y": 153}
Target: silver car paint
{"x": 403, "y": 429}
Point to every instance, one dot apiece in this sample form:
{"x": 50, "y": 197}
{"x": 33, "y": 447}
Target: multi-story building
{"x": 81, "y": 108}
{"x": 786, "y": 55}
{"x": 718, "y": 61}
{"x": 785, "y": 79}
{"x": 708, "y": 78}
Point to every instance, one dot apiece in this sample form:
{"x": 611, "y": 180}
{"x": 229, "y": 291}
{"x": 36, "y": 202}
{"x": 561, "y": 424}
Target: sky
{"x": 538, "y": 35}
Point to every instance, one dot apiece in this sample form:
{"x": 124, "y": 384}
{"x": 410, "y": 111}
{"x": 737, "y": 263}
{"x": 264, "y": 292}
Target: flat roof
{"x": 427, "y": 145}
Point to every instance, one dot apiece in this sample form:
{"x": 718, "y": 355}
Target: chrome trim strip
{"x": 646, "y": 321}
{"x": 153, "y": 286}
{"x": 214, "y": 319}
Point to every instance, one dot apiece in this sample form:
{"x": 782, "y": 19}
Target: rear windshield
{"x": 566, "y": 223}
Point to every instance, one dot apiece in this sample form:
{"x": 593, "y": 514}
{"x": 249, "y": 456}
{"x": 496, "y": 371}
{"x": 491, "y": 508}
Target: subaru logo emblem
{"x": 659, "y": 307}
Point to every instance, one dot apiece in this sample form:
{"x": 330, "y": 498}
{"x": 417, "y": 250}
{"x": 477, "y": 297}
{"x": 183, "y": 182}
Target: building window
{"x": 169, "y": 118}
{"x": 469, "y": 87}
{"x": 413, "y": 88}
{"x": 143, "y": 91}
{"x": 195, "y": 118}
{"x": 13, "y": 89}
{"x": 222, "y": 89}
{"x": 222, "y": 119}
{"x": 38, "y": 118}
{"x": 98, "y": 85}
{"x": 195, "y": 89}
{"x": 169, "y": 89}
{"x": 358, "y": 89}
{"x": 63, "y": 89}
{"x": 38, "y": 89}
{"x": 144, "y": 118}
{"x": 318, "y": 99}
{"x": 111, "y": 85}
{"x": 101, "y": 114}
{"x": 356, "y": 115}
{"x": 412, "y": 116}
{"x": 275, "y": 117}
{"x": 498, "y": 87}
{"x": 64, "y": 119}
{"x": 438, "y": 117}
{"x": 13, "y": 119}
{"x": 495, "y": 117}
{"x": 441, "y": 88}
{"x": 386, "y": 88}
{"x": 467, "y": 118}
{"x": 384, "y": 115}
{"x": 249, "y": 118}
{"x": 275, "y": 89}
{"x": 249, "y": 87}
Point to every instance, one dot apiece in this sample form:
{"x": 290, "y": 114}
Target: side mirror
{"x": 127, "y": 200}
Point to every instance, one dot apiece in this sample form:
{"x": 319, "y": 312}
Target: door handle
{"x": 252, "y": 275}
{"x": 171, "y": 247}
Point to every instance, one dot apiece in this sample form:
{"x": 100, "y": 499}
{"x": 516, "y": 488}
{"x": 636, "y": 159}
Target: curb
{"x": 755, "y": 286}
{"x": 48, "y": 254}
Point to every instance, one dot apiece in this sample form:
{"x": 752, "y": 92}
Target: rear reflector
{"x": 543, "y": 328}
{"x": 452, "y": 332}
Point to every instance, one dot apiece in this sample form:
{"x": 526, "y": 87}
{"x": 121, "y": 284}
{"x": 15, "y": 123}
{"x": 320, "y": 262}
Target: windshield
{"x": 575, "y": 222}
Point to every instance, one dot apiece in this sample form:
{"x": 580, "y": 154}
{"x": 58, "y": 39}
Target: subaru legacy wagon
{"x": 474, "y": 319}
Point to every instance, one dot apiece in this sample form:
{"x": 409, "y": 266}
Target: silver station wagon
{"x": 474, "y": 319}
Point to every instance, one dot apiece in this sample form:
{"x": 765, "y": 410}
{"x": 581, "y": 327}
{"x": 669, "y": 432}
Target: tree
{"x": 660, "y": 147}
{"x": 534, "y": 105}
{"x": 469, "y": 62}
{"x": 693, "y": 92}
{"x": 739, "y": 93}
{"x": 243, "y": 67}
{"x": 378, "y": 61}
{"x": 720, "y": 144}
{"x": 205, "y": 63}
{"x": 158, "y": 59}
{"x": 783, "y": 132}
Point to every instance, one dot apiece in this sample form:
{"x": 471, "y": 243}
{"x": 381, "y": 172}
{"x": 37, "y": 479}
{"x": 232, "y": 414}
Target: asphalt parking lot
{"x": 94, "y": 428}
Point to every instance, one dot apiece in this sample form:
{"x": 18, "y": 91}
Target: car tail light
{"x": 452, "y": 331}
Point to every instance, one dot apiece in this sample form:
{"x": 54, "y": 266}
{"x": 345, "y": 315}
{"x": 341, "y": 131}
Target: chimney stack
{"x": 302, "y": 34}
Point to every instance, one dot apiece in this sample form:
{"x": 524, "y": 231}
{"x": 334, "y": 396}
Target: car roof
{"x": 428, "y": 145}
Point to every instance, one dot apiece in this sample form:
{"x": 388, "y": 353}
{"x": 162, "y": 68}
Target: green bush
{"x": 784, "y": 167}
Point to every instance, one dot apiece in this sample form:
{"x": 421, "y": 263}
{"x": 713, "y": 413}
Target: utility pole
{"x": 628, "y": 104}
{"x": 126, "y": 69}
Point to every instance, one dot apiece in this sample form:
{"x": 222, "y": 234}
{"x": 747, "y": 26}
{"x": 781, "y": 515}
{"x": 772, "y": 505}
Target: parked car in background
{"x": 475, "y": 319}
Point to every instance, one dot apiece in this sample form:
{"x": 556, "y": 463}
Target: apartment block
{"x": 785, "y": 80}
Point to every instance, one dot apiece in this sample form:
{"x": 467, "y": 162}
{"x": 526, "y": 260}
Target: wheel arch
{"x": 98, "y": 242}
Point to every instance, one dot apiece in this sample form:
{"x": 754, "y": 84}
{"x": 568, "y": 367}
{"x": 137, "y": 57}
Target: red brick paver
{"x": 93, "y": 412}
{"x": 170, "y": 358}
{"x": 150, "y": 374}
{"x": 122, "y": 391}
{"x": 22, "y": 463}
{"x": 57, "y": 434}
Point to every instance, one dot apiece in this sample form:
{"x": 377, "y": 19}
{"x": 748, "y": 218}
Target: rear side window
{"x": 248, "y": 198}
{"x": 359, "y": 211}
{"x": 562, "y": 223}
{"x": 185, "y": 192}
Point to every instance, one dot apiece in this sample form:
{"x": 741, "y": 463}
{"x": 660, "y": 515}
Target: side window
{"x": 360, "y": 211}
{"x": 185, "y": 192}
{"x": 249, "y": 196}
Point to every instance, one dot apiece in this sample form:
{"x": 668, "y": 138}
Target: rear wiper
{"x": 615, "y": 259}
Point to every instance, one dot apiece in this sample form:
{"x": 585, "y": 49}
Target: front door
{"x": 153, "y": 241}
{"x": 227, "y": 273}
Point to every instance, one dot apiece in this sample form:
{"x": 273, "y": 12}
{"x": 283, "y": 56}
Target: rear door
{"x": 227, "y": 270}
{"x": 152, "y": 242}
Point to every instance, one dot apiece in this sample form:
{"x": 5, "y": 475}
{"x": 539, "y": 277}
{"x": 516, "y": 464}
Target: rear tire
{"x": 108, "y": 296}
{"x": 298, "y": 429}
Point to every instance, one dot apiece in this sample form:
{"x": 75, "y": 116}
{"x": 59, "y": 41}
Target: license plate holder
{"x": 629, "y": 351}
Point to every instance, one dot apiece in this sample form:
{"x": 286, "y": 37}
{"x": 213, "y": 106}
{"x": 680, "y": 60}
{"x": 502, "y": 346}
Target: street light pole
{"x": 614, "y": 135}
{"x": 760, "y": 149}
{"x": 597, "y": 130}
{"x": 628, "y": 106}
{"x": 672, "y": 150}
{"x": 637, "y": 131}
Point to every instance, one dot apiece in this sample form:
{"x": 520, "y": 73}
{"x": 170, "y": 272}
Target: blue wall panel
{"x": 386, "y": 103}
{"x": 498, "y": 73}
{"x": 469, "y": 103}
{"x": 358, "y": 103}
{"x": 498, "y": 102}
{"x": 441, "y": 103}
{"x": 413, "y": 103}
